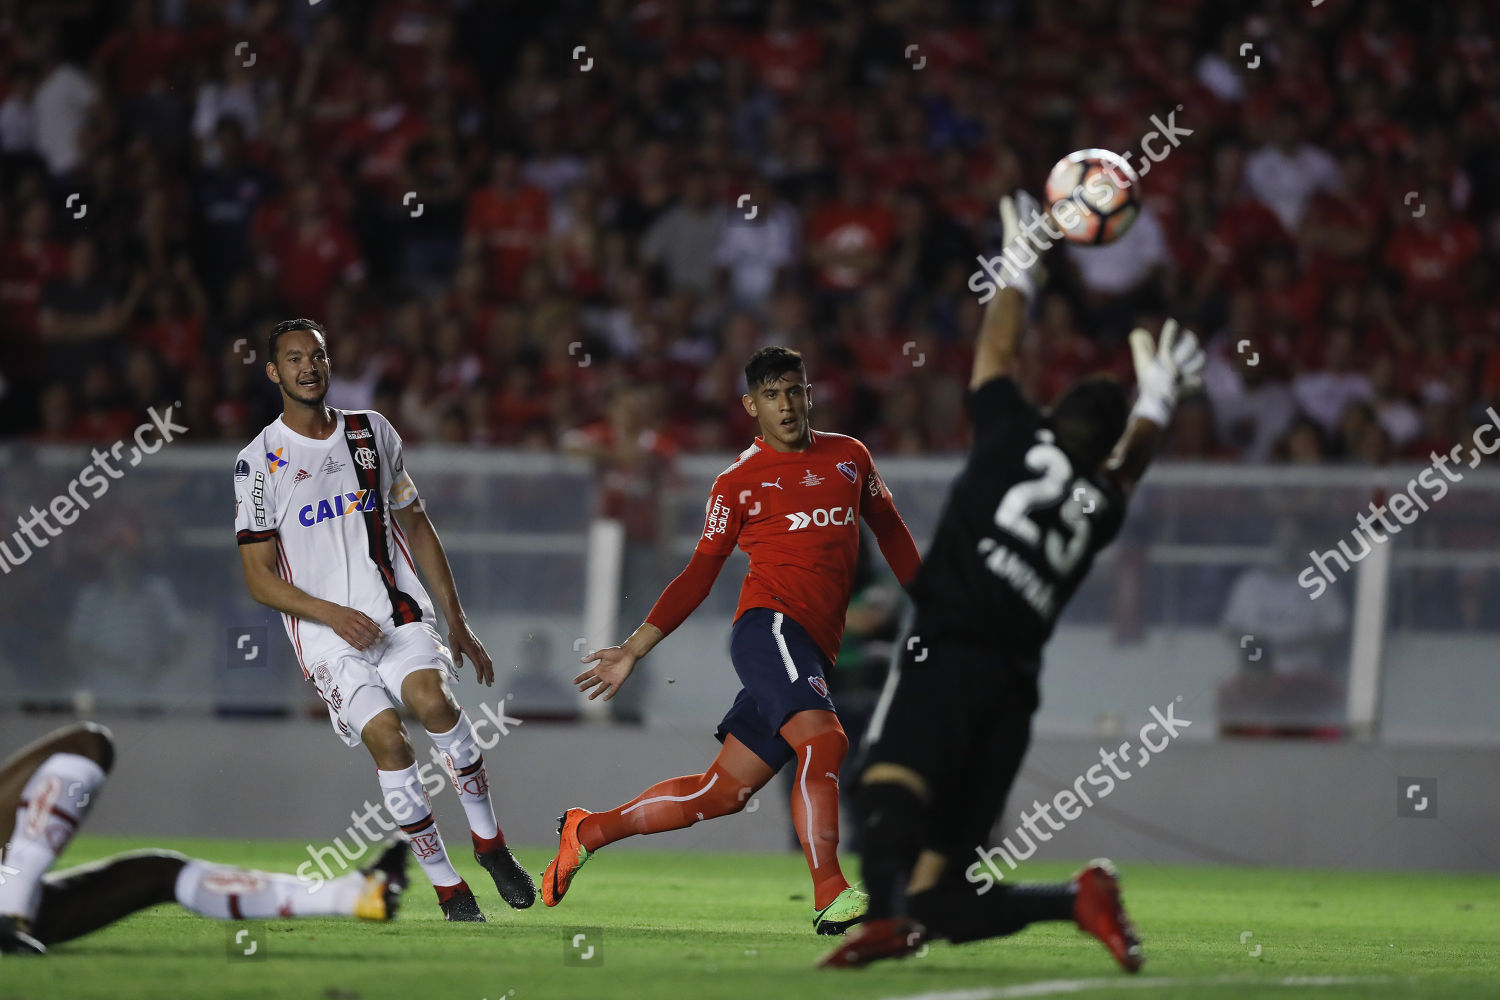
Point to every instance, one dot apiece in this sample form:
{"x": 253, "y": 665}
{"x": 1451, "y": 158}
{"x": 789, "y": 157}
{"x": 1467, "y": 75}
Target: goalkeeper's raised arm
{"x": 1005, "y": 314}
{"x": 1164, "y": 369}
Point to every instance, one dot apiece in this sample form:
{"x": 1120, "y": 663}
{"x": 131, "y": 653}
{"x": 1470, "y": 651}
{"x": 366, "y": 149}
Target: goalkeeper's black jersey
{"x": 1018, "y": 533}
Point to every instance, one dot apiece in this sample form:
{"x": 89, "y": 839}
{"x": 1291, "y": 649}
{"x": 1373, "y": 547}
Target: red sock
{"x": 484, "y": 845}
{"x": 815, "y": 810}
{"x": 447, "y": 892}
{"x": 667, "y": 805}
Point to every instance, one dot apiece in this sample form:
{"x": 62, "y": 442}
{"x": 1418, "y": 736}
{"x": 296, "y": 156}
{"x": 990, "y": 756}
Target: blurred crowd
{"x": 510, "y": 216}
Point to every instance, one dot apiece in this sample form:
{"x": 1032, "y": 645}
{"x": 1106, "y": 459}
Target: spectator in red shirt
{"x": 1368, "y": 125}
{"x": 142, "y": 57}
{"x": 1429, "y": 252}
{"x": 400, "y": 33}
{"x": 1378, "y": 49}
{"x": 1243, "y": 228}
{"x": 329, "y": 86}
{"x": 80, "y": 314}
{"x": 946, "y": 41}
{"x": 310, "y": 254}
{"x": 173, "y": 328}
{"x": 1338, "y": 233}
{"x": 784, "y": 53}
{"x": 379, "y": 138}
{"x": 506, "y": 222}
{"x": 27, "y": 262}
{"x": 847, "y": 237}
{"x": 633, "y": 461}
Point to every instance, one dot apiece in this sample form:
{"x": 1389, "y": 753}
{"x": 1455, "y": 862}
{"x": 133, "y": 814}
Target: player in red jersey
{"x": 792, "y": 501}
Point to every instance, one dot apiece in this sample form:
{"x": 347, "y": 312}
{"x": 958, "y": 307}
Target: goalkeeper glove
{"x": 1019, "y": 214}
{"x": 1163, "y": 370}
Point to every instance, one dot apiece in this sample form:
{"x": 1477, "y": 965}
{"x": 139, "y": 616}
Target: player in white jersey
{"x": 46, "y": 790}
{"x": 331, "y": 532}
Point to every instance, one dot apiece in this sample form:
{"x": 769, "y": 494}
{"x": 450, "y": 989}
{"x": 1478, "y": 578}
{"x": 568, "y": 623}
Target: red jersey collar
{"x": 812, "y": 442}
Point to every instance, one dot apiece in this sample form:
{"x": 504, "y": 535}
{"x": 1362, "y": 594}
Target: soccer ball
{"x": 1091, "y": 194}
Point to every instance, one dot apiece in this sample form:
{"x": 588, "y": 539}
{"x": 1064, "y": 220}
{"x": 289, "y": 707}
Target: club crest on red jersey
{"x": 848, "y": 471}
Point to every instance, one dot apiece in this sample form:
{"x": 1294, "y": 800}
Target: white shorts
{"x": 358, "y": 685}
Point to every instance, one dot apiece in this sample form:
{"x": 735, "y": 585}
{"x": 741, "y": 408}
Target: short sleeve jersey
{"x": 327, "y": 505}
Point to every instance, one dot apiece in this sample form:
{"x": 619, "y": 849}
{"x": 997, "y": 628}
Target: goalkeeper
{"x": 1040, "y": 495}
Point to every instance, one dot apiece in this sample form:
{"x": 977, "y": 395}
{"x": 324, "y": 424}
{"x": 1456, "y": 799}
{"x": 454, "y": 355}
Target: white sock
{"x": 53, "y": 804}
{"x": 466, "y": 767}
{"x": 227, "y": 893}
{"x": 409, "y": 806}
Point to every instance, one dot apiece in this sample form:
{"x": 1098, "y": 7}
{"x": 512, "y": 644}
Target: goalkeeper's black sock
{"x": 959, "y": 913}
{"x": 892, "y": 820}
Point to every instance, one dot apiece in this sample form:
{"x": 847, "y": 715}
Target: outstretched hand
{"x": 1020, "y": 214}
{"x": 612, "y": 665}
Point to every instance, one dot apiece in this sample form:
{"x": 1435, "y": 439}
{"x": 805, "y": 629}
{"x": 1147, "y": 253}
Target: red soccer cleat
{"x": 1099, "y": 911}
{"x": 892, "y": 937}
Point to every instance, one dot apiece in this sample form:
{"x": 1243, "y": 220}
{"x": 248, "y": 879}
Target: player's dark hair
{"x": 287, "y": 326}
{"x": 770, "y": 363}
{"x": 1088, "y": 419}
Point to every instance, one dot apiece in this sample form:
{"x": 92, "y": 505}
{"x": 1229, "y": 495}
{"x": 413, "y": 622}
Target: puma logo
{"x": 776, "y": 484}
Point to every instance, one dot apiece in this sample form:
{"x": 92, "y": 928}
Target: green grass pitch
{"x": 706, "y": 926}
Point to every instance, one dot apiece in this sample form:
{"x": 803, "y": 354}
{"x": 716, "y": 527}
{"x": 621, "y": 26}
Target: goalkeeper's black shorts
{"x": 959, "y": 715}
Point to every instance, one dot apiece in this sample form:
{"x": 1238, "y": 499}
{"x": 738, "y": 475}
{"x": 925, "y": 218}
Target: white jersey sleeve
{"x": 256, "y": 518}
{"x": 399, "y": 489}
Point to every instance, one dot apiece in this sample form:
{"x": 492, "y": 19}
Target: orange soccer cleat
{"x": 571, "y": 855}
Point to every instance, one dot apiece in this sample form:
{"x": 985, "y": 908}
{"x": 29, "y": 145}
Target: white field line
{"x": 1059, "y": 987}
